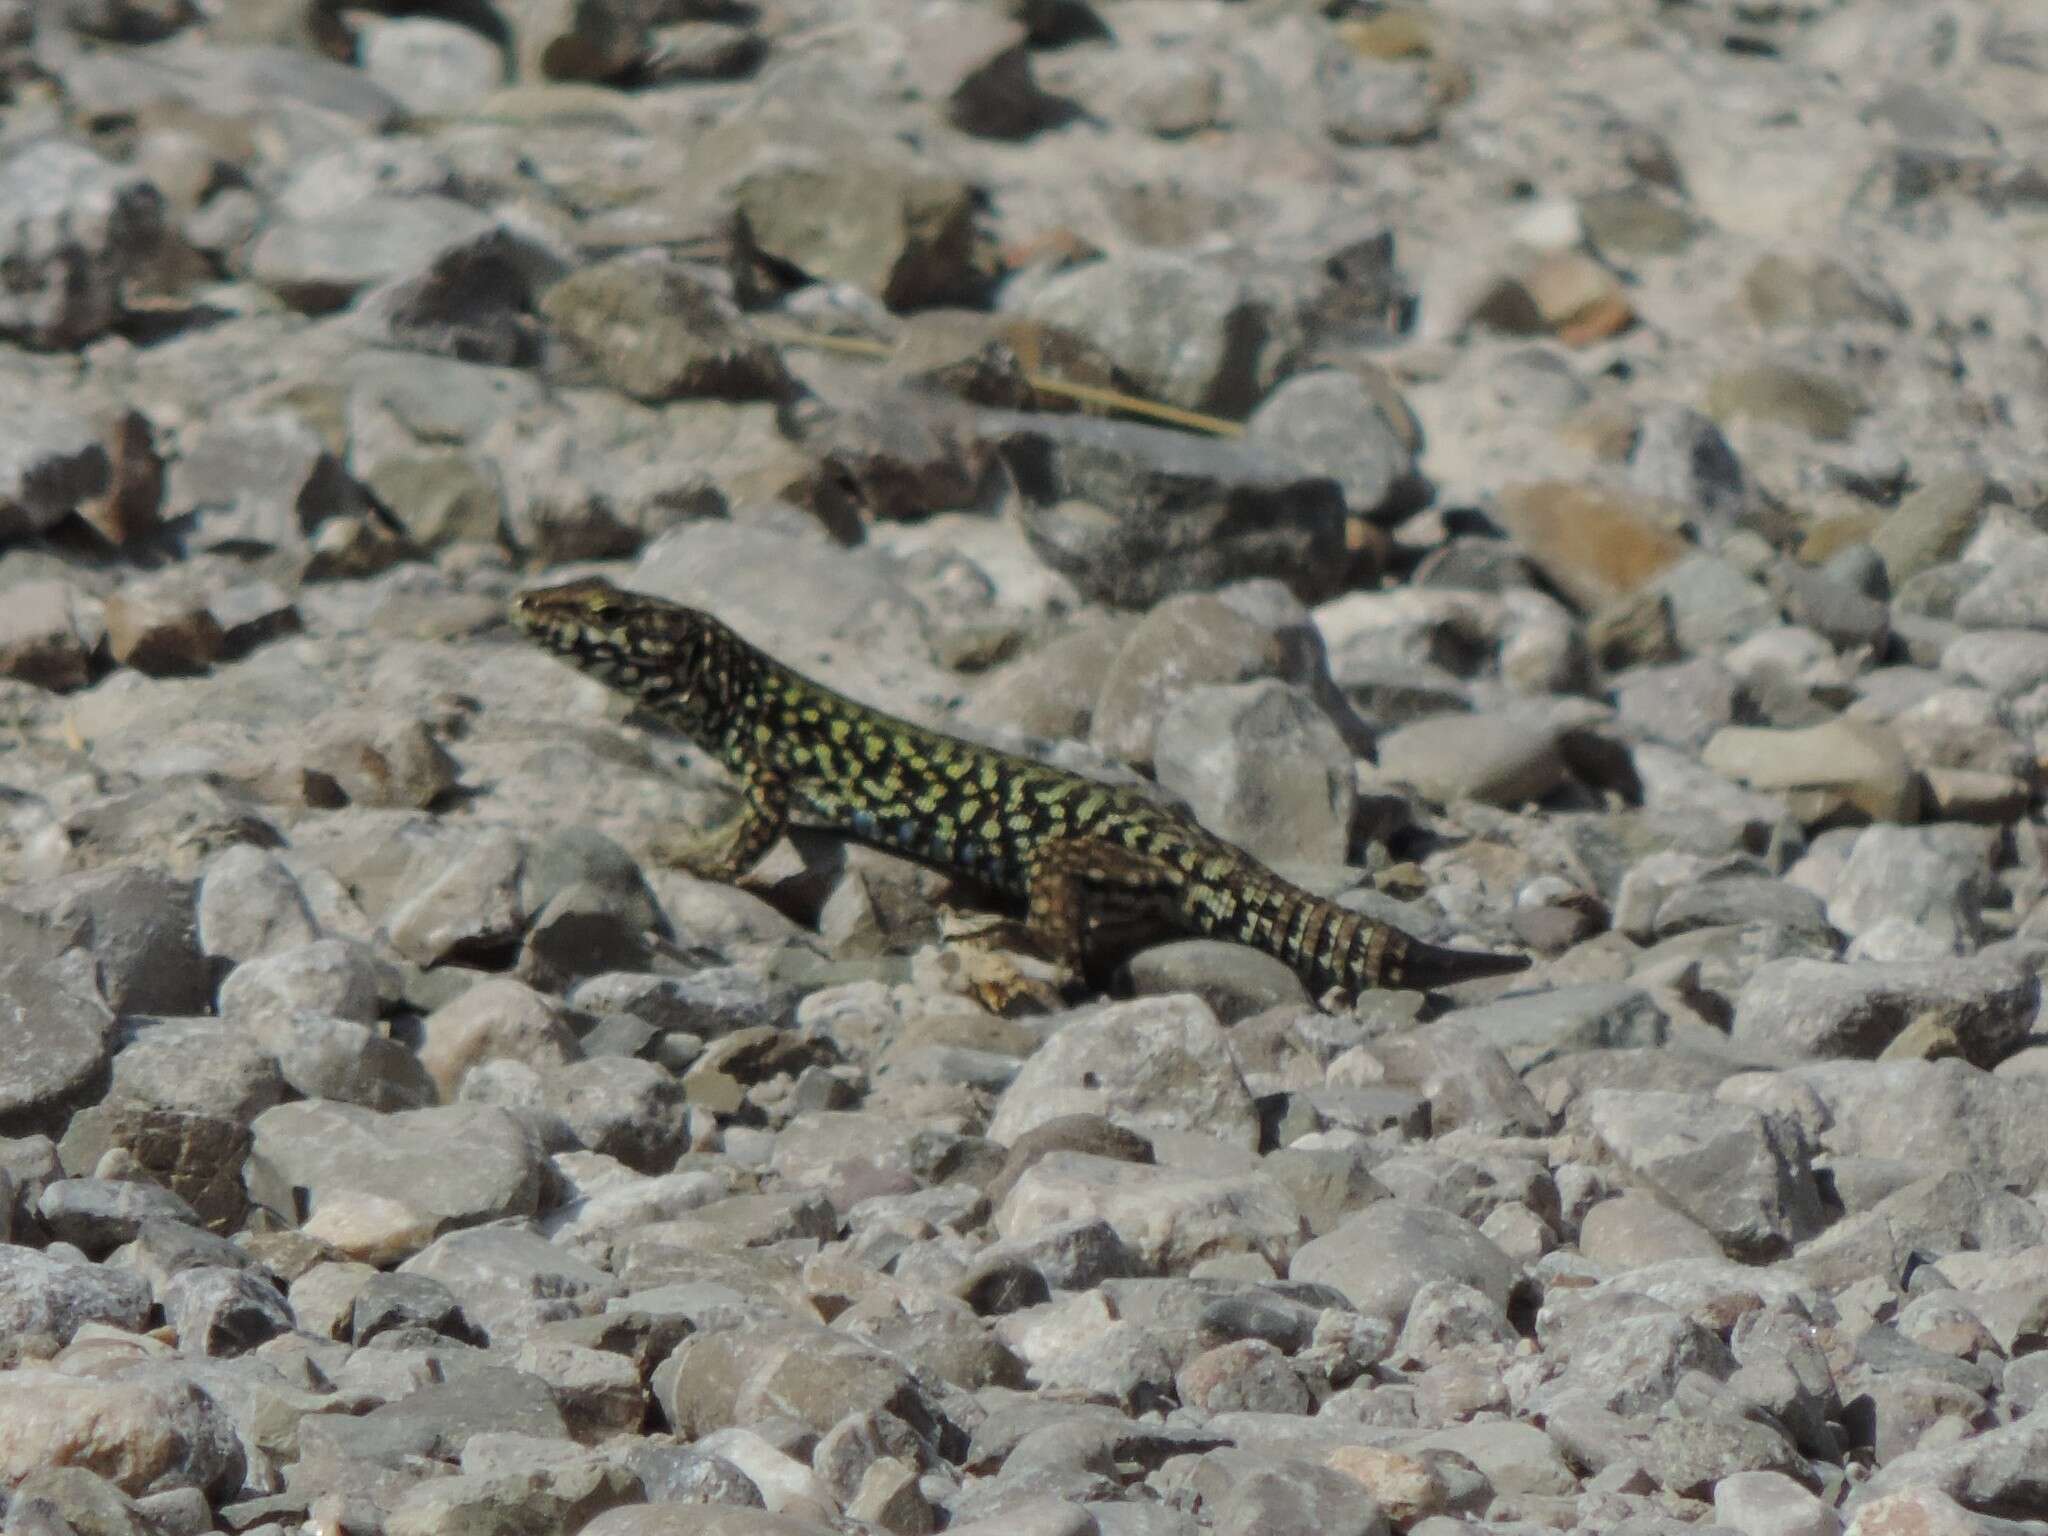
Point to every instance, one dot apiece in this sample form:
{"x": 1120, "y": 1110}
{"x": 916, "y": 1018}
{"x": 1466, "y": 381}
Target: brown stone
{"x": 1597, "y": 545}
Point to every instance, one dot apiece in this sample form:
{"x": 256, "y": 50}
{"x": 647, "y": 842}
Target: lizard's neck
{"x": 701, "y": 686}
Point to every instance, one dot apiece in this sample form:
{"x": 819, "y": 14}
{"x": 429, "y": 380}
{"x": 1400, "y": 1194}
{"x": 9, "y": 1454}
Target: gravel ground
{"x": 1583, "y": 489}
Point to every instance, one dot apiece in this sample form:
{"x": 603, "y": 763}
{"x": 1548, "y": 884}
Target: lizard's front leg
{"x": 728, "y": 851}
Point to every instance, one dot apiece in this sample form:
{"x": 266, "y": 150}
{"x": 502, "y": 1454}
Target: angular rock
{"x": 138, "y": 924}
{"x": 1822, "y": 768}
{"x": 1804, "y": 400}
{"x": 52, "y": 463}
{"x": 1169, "y": 1218}
{"x": 1953, "y": 1116}
{"x": 657, "y": 332}
{"x": 53, "y": 1029}
{"x": 224, "y": 1311}
{"x": 2000, "y": 1470}
{"x": 1745, "y": 1176}
{"x": 249, "y": 905}
{"x": 629, "y": 1109}
{"x": 330, "y": 975}
{"x": 161, "y": 631}
{"x": 1149, "y": 1065}
{"x": 434, "y": 67}
{"x": 340, "y": 1060}
{"x": 147, "y": 1433}
{"x": 1181, "y": 645}
{"x": 1185, "y": 331}
{"x": 1931, "y": 525}
{"x": 98, "y": 1215}
{"x": 1810, "y": 1008}
{"x": 510, "y": 1281}
{"x": 1382, "y": 1256}
{"x": 320, "y": 263}
{"x": 814, "y": 1375}
{"x": 2009, "y": 662}
{"x": 1497, "y": 759}
{"x": 48, "y": 635}
{"x": 265, "y": 479}
{"x": 42, "y": 1295}
{"x": 437, "y": 1421}
{"x": 1332, "y": 424}
{"x": 497, "y": 1019}
{"x": 906, "y": 238}
{"x": 2009, "y": 595}
{"x": 1598, "y": 547}
{"x": 1935, "y": 878}
{"x": 197, "y": 1067}
{"x": 1289, "y": 1494}
{"x": 338, "y": 1152}
{"x": 1261, "y": 765}
{"x": 76, "y": 228}
{"x": 197, "y": 1155}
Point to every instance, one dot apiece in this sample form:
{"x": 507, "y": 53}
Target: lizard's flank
{"x": 1074, "y": 852}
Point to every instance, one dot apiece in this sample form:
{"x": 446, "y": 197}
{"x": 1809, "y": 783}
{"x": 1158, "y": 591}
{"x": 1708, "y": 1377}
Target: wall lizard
{"x": 1076, "y": 854}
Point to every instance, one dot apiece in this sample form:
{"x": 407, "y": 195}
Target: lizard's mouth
{"x": 573, "y": 618}
{"x": 538, "y": 626}
{"x": 550, "y": 627}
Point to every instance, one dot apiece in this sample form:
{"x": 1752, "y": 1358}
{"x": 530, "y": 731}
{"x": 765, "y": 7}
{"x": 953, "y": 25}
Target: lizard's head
{"x": 642, "y": 644}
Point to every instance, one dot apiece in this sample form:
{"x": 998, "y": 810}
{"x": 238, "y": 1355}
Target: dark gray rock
{"x": 1133, "y": 514}
{"x": 223, "y": 1311}
{"x": 408, "y": 1304}
{"x": 98, "y": 1215}
{"x": 53, "y": 1028}
{"x": 707, "y": 1003}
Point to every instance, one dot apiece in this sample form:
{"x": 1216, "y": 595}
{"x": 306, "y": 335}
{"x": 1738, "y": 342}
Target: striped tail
{"x": 1330, "y": 946}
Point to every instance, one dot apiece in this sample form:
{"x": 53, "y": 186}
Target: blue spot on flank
{"x": 969, "y": 854}
{"x": 863, "y": 823}
{"x": 906, "y": 833}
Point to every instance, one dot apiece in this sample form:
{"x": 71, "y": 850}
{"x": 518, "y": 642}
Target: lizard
{"x": 1077, "y": 855}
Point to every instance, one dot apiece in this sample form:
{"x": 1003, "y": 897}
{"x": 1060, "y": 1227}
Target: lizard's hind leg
{"x": 1083, "y": 891}
{"x": 1079, "y": 892}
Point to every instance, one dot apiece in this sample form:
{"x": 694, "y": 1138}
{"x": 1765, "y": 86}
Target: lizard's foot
{"x": 712, "y": 855}
{"x": 1002, "y": 967}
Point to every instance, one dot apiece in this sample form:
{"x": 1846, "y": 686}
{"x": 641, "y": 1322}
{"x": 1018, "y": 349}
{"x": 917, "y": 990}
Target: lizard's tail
{"x": 1328, "y": 945}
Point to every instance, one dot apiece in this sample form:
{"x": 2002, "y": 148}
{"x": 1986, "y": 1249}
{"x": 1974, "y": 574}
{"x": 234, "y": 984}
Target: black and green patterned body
{"x": 1077, "y": 854}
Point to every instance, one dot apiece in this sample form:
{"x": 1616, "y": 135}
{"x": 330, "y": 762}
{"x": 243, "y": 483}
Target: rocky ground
{"x": 1573, "y": 478}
